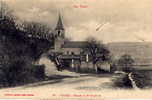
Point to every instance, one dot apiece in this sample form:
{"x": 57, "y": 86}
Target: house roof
{"x": 75, "y": 44}
{"x": 69, "y": 57}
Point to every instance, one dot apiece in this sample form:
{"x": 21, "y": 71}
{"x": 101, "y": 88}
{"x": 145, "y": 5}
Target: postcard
{"x": 75, "y": 50}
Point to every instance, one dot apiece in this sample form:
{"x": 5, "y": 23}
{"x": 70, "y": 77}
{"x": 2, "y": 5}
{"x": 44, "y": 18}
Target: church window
{"x": 58, "y": 32}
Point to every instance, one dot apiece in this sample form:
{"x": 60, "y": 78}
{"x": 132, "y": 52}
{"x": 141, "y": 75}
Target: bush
{"x": 126, "y": 61}
{"x": 127, "y": 69}
{"x": 15, "y": 73}
{"x": 142, "y": 79}
{"x": 122, "y": 82}
{"x": 38, "y": 71}
{"x": 19, "y": 73}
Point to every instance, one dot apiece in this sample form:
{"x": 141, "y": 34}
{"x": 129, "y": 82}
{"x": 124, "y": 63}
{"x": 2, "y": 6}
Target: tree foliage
{"x": 7, "y": 21}
{"x": 97, "y": 50}
{"x": 37, "y": 30}
{"x": 29, "y": 39}
{"x": 126, "y": 61}
{"x": 17, "y": 49}
{"x": 39, "y": 37}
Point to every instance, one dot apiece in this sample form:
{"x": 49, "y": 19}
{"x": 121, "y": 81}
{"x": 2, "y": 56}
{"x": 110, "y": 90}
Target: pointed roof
{"x": 59, "y": 24}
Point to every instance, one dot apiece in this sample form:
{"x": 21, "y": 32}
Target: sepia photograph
{"x": 75, "y": 49}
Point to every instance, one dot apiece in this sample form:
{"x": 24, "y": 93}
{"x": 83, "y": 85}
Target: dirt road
{"x": 71, "y": 87}
{"x": 74, "y": 82}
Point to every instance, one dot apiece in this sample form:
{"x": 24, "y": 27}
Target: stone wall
{"x": 86, "y": 67}
{"x": 105, "y": 66}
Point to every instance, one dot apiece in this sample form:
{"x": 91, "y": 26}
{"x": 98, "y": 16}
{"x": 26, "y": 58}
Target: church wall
{"x": 58, "y": 43}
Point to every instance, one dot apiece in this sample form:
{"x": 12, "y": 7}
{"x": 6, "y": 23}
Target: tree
{"x": 36, "y": 30}
{"x": 126, "y": 61}
{"x": 7, "y": 20}
{"x": 98, "y": 51}
{"x": 40, "y": 37}
{"x": 18, "y": 49}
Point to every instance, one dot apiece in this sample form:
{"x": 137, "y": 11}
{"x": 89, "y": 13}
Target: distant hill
{"x": 140, "y": 51}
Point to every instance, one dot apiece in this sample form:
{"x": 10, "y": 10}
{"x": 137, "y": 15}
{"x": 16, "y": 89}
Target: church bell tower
{"x": 59, "y": 34}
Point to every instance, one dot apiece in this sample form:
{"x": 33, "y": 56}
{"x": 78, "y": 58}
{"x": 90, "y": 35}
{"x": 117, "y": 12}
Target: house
{"x": 70, "y": 54}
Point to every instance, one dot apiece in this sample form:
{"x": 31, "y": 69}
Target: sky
{"x": 106, "y": 20}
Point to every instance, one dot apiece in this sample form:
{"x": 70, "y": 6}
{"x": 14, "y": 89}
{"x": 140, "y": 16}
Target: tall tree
{"x": 98, "y": 51}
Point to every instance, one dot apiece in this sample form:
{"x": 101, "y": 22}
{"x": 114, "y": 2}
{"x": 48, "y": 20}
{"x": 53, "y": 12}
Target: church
{"x": 71, "y": 54}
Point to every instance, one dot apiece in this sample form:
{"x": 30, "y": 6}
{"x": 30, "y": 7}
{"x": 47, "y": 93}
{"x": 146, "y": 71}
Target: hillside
{"x": 140, "y": 51}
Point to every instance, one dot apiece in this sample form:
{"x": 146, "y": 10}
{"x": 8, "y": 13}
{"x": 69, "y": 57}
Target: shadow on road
{"x": 49, "y": 80}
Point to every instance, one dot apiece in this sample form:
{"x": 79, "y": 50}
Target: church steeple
{"x": 59, "y": 30}
{"x": 59, "y": 24}
{"x": 59, "y": 34}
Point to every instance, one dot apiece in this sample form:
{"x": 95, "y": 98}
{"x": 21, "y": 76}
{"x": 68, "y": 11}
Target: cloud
{"x": 125, "y": 17}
